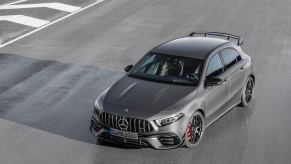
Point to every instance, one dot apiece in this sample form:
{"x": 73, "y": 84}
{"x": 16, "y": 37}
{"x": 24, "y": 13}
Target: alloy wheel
{"x": 249, "y": 90}
{"x": 195, "y": 129}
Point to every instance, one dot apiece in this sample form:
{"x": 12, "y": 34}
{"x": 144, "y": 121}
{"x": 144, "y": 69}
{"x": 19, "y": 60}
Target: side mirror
{"x": 128, "y": 68}
{"x": 213, "y": 81}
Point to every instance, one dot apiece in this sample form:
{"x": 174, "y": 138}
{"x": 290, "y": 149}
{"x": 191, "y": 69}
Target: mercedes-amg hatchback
{"x": 175, "y": 92}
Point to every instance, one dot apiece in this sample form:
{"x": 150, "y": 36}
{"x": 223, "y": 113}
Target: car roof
{"x": 193, "y": 47}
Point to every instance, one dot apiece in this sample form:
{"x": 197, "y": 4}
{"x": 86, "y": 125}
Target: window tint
{"x": 215, "y": 66}
{"x": 230, "y": 57}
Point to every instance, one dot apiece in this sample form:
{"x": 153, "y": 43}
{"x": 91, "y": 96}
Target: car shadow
{"x": 52, "y": 96}
{"x": 117, "y": 145}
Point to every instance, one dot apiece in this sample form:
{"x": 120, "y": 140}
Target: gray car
{"x": 175, "y": 92}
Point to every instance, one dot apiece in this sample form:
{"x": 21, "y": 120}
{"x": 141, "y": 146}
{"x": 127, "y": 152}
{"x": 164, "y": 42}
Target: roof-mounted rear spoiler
{"x": 225, "y": 35}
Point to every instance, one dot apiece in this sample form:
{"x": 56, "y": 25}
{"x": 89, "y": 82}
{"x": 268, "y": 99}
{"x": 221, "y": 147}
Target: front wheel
{"x": 195, "y": 129}
{"x": 248, "y": 92}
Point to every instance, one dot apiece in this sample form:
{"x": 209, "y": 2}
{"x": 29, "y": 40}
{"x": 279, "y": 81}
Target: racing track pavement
{"x": 48, "y": 82}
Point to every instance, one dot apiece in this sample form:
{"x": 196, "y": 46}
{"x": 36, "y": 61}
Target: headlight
{"x": 98, "y": 106}
{"x": 99, "y": 102}
{"x": 169, "y": 120}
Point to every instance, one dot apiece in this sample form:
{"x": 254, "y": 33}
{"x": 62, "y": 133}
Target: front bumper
{"x": 158, "y": 139}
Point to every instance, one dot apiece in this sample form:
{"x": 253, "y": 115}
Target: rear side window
{"x": 215, "y": 66}
{"x": 230, "y": 57}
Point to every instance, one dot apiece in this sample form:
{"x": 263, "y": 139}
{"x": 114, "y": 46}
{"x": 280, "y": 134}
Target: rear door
{"x": 233, "y": 67}
{"x": 216, "y": 96}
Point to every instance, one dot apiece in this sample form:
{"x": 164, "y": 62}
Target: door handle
{"x": 242, "y": 68}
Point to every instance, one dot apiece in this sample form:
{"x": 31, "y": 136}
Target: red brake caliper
{"x": 189, "y": 127}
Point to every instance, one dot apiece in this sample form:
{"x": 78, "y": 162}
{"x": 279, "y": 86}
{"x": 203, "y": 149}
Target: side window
{"x": 149, "y": 60}
{"x": 215, "y": 66}
{"x": 230, "y": 57}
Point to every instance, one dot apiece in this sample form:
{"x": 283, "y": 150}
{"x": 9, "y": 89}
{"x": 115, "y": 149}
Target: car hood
{"x": 143, "y": 99}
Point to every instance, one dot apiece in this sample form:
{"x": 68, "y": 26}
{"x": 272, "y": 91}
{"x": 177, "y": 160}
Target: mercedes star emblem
{"x": 123, "y": 124}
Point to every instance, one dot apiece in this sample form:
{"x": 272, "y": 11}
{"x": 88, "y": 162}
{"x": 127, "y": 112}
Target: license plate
{"x": 123, "y": 134}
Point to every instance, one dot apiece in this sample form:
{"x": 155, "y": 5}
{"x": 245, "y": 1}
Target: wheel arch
{"x": 201, "y": 111}
{"x": 253, "y": 76}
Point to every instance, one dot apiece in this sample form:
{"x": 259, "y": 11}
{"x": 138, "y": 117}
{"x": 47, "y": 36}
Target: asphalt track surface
{"x": 49, "y": 80}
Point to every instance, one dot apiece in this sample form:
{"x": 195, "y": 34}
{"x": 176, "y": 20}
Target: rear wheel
{"x": 194, "y": 131}
{"x": 248, "y": 92}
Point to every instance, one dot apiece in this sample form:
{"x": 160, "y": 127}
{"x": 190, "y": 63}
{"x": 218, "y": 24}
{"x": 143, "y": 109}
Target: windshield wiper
{"x": 181, "y": 81}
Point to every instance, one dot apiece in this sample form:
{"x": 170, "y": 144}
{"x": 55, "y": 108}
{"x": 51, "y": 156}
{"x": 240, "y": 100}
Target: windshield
{"x": 168, "y": 69}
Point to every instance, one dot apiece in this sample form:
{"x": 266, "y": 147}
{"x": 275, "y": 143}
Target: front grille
{"x": 134, "y": 125}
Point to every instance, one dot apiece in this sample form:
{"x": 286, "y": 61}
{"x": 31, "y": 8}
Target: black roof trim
{"x": 193, "y": 47}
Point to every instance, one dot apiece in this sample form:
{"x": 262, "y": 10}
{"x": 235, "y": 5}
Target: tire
{"x": 194, "y": 130}
{"x": 248, "y": 92}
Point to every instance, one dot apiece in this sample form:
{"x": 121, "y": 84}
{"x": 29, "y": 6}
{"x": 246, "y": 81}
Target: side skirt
{"x": 214, "y": 120}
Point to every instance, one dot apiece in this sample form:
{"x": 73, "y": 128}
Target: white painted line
{"x": 14, "y": 2}
{"x": 56, "y": 6}
{"x": 49, "y": 24}
{"x": 24, "y": 20}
